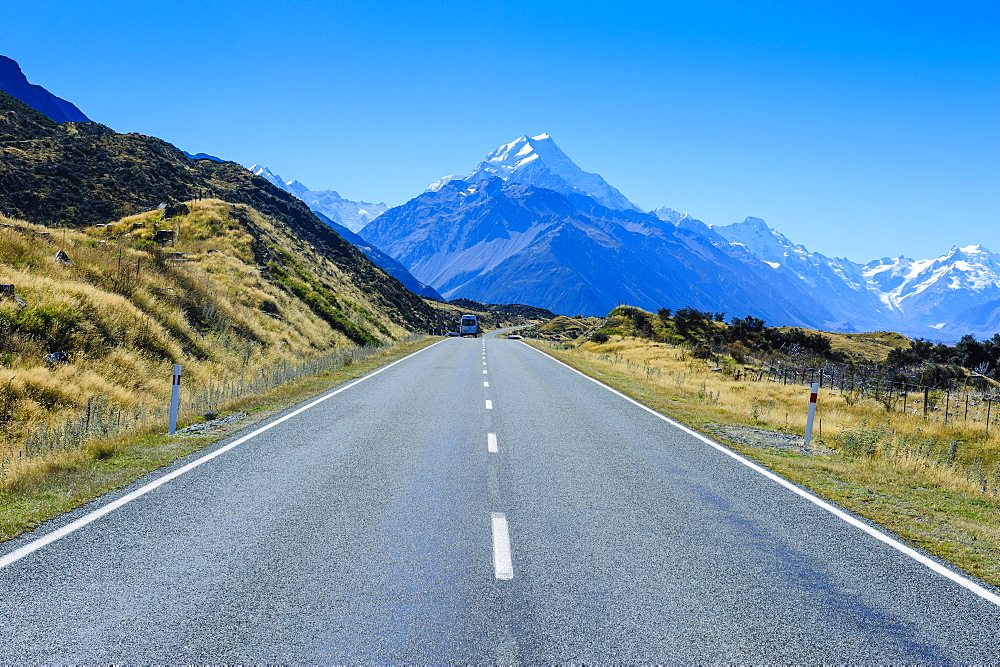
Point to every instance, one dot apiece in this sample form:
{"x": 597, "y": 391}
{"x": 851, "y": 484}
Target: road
{"x": 474, "y": 502}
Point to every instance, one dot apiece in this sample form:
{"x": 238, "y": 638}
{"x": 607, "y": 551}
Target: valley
{"x": 623, "y": 479}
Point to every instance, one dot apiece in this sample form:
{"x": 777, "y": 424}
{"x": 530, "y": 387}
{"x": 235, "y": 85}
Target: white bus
{"x": 469, "y": 326}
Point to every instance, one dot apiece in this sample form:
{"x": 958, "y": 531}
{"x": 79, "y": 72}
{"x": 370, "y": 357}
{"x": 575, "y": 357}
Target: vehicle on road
{"x": 452, "y": 334}
{"x": 515, "y": 337}
{"x": 469, "y": 326}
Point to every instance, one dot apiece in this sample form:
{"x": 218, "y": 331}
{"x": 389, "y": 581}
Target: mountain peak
{"x": 755, "y": 223}
{"x": 540, "y": 162}
{"x": 13, "y": 82}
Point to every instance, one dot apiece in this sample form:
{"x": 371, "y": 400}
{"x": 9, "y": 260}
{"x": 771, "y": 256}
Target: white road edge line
{"x": 90, "y": 517}
{"x": 491, "y": 443}
{"x": 816, "y": 500}
{"x": 502, "y": 565}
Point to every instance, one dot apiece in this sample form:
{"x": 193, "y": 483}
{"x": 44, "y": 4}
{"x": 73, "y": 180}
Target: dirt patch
{"x": 764, "y": 439}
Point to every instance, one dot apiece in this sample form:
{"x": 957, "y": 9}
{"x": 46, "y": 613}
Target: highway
{"x": 477, "y": 501}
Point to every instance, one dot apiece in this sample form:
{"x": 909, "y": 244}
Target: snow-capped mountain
{"x": 494, "y": 239}
{"x": 939, "y": 295}
{"x": 538, "y": 161}
{"x": 941, "y": 298}
{"x": 351, "y": 214}
{"x": 490, "y": 237}
{"x": 837, "y": 283}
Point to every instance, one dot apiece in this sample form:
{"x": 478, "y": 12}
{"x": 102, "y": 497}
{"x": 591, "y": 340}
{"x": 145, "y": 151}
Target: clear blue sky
{"x": 859, "y": 129}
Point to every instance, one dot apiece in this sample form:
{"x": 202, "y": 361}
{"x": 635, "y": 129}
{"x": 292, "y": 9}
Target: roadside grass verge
{"x": 35, "y": 490}
{"x": 934, "y": 485}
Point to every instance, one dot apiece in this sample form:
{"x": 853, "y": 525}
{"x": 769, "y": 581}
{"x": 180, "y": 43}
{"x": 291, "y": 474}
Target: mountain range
{"x": 529, "y": 225}
{"x": 351, "y": 214}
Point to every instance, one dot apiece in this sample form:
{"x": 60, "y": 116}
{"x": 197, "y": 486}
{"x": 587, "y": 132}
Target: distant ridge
{"x": 202, "y": 156}
{"x": 351, "y": 214}
{"x": 13, "y": 82}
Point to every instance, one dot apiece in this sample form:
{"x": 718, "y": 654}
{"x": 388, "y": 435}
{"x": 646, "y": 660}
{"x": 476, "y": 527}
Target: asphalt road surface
{"x": 475, "y": 502}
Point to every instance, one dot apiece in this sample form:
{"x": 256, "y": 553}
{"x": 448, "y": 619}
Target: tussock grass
{"x": 937, "y": 485}
{"x": 125, "y": 309}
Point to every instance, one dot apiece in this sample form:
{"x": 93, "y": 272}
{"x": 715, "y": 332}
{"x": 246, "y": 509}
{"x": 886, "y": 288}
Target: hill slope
{"x": 237, "y": 292}
{"x": 80, "y": 174}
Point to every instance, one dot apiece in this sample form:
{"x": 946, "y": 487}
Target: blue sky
{"x": 859, "y": 129}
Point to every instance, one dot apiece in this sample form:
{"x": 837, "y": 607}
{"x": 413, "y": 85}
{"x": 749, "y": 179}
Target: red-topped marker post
{"x": 812, "y": 412}
{"x": 175, "y": 399}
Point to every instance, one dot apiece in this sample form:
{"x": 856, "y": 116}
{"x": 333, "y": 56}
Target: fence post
{"x": 927, "y": 391}
{"x": 175, "y": 399}
{"x": 812, "y": 413}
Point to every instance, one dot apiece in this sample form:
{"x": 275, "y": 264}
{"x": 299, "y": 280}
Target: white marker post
{"x": 175, "y": 399}
{"x": 812, "y": 412}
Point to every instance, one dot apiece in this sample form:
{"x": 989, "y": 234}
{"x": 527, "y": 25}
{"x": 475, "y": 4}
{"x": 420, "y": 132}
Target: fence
{"x": 948, "y": 404}
{"x": 100, "y": 418}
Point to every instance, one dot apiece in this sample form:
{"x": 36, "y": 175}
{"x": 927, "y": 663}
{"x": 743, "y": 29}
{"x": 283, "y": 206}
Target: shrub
{"x": 600, "y": 337}
{"x": 862, "y": 441}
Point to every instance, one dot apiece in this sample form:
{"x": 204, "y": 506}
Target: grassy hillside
{"x": 80, "y": 174}
{"x": 234, "y": 293}
{"x": 862, "y": 347}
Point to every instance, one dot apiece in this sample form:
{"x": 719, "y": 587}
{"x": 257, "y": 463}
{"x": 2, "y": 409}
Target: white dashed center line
{"x": 484, "y": 371}
{"x": 502, "y": 565}
{"x": 491, "y": 443}
{"x": 489, "y": 404}
{"x": 486, "y": 384}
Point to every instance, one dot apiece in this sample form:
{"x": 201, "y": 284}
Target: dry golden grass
{"x": 935, "y": 484}
{"x": 126, "y": 311}
{"x": 840, "y": 417}
{"x": 874, "y": 346}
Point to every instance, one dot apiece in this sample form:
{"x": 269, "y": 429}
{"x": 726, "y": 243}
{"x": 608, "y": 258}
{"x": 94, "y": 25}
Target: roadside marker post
{"x": 175, "y": 399}
{"x": 812, "y": 413}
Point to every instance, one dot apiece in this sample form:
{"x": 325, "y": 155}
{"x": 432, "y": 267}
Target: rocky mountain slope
{"x": 498, "y": 241}
{"x": 332, "y": 209}
{"x": 14, "y": 83}
{"x": 80, "y": 174}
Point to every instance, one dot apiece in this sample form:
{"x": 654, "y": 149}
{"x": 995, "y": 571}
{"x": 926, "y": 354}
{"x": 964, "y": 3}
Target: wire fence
{"x": 102, "y": 418}
{"x": 948, "y": 404}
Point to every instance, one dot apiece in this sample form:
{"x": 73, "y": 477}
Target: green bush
{"x": 862, "y": 441}
{"x": 53, "y": 324}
